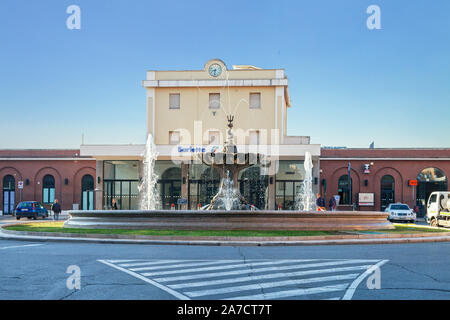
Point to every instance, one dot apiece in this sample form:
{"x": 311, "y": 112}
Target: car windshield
{"x": 25, "y": 205}
{"x": 399, "y": 207}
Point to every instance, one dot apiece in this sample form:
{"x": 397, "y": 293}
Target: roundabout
{"x": 55, "y": 231}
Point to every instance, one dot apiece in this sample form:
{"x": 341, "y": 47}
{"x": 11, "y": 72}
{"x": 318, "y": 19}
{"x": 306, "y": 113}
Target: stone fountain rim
{"x": 231, "y": 213}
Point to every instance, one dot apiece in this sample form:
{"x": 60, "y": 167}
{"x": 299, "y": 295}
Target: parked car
{"x": 400, "y": 212}
{"x": 31, "y": 210}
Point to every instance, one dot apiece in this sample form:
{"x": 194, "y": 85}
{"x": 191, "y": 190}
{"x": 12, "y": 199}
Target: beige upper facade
{"x": 196, "y": 104}
{"x": 189, "y": 108}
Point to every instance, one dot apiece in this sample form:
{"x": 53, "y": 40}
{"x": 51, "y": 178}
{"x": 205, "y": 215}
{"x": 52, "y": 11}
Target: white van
{"x": 438, "y": 209}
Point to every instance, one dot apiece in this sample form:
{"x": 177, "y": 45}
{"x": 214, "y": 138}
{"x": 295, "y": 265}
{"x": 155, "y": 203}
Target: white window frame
{"x": 171, "y": 135}
{"x": 170, "y": 101}
{"x": 214, "y": 133}
{"x": 250, "y": 133}
{"x": 212, "y": 94}
{"x": 250, "y": 100}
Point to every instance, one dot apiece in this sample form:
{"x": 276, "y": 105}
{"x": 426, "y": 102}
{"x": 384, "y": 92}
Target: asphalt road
{"x": 116, "y": 271}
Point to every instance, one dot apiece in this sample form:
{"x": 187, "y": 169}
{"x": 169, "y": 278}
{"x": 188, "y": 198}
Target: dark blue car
{"x": 31, "y": 210}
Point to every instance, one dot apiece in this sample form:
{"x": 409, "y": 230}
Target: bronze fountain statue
{"x": 230, "y": 162}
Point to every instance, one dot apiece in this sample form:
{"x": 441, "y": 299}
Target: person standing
{"x": 332, "y": 204}
{"x": 114, "y": 204}
{"x": 56, "y": 208}
{"x": 320, "y": 202}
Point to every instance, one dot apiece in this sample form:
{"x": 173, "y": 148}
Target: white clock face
{"x": 215, "y": 70}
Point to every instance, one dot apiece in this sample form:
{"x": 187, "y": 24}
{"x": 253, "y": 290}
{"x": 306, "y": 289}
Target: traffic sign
{"x": 20, "y": 185}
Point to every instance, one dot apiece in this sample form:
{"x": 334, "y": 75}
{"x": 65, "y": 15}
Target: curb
{"x": 31, "y": 236}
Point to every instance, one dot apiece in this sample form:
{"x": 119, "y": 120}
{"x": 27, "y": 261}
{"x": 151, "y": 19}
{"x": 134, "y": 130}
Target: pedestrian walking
{"x": 332, "y": 204}
{"x": 56, "y": 208}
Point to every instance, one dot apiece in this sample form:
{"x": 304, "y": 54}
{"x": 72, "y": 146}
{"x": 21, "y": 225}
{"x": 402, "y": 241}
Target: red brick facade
{"x": 30, "y": 166}
{"x": 68, "y": 169}
{"x": 401, "y": 164}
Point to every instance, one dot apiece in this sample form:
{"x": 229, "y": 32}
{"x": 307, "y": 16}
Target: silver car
{"x": 400, "y": 212}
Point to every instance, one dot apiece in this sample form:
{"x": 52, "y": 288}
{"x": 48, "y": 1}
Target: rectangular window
{"x": 214, "y": 100}
{"x": 255, "y": 100}
{"x": 174, "y": 137}
{"x": 174, "y": 101}
{"x": 254, "y": 137}
{"x": 214, "y": 137}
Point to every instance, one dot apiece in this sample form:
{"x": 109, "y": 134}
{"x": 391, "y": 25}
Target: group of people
{"x": 320, "y": 203}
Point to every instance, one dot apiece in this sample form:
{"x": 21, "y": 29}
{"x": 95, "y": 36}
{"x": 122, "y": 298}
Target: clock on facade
{"x": 215, "y": 70}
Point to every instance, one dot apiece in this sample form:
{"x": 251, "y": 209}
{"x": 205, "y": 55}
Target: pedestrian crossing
{"x": 256, "y": 279}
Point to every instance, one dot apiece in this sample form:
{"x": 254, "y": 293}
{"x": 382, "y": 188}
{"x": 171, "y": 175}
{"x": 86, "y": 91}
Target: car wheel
{"x": 17, "y": 218}
{"x": 34, "y": 217}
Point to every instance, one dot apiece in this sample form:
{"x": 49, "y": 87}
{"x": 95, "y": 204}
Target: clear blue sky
{"x": 349, "y": 85}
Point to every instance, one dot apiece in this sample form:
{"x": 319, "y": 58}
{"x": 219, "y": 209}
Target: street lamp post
{"x": 350, "y": 182}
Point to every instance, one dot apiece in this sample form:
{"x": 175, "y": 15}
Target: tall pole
{"x": 350, "y": 182}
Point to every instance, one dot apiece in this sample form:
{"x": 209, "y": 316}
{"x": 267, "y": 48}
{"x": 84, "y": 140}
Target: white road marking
{"x": 233, "y": 266}
{"x": 351, "y": 290}
{"x": 292, "y": 293}
{"x": 21, "y": 246}
{"x": 147, "y": 263}
{"x": 267, "y": 285}
{"x": 174, "y": 266}
{"x": 265, "y": 277}
{"x": 156, "y": 284}
{"x": 229, "y": 273}
{"x": 120, "y": 261}
{"x": 250, "y": 276}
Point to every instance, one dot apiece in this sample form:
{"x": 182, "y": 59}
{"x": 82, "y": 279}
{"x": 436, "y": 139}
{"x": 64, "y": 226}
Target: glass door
{"x": 171, "y": 192}
{"x": 9, "y": 199}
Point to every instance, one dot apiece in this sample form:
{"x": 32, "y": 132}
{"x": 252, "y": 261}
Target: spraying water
{"x": 305, "y": 199}
{"x": 228, "y": 197}
{"x": 149, "y": 196}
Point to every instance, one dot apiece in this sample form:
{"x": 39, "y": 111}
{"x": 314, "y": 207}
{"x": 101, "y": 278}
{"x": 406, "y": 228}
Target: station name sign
{"x": 197, "y": 149}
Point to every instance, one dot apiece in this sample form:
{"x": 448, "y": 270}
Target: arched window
{"x": 9, "y": 187}
{"x": 387, "y": 191}
{"x": 344, "y": 190}
{"x": 172, "y": 174}
{"x": 432, "y": 175}
{"x": 87, "y": 192}
{"x": 9, "y": 183}
{"x": 48, "y": 189}
{"x": 429, "y": 180}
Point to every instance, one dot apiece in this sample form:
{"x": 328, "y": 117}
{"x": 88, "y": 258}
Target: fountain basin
{"x": 228, "y": 220}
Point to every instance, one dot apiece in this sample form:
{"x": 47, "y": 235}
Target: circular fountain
{"x": 226, "y": 207}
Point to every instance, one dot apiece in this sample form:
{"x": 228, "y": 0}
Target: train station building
{"x": 186, "y": 114}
